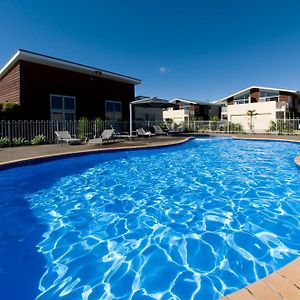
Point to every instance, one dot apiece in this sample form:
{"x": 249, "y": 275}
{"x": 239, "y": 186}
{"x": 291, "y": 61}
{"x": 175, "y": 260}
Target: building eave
{"x": 24, "y": 55}
{"x": 193, "y": 101}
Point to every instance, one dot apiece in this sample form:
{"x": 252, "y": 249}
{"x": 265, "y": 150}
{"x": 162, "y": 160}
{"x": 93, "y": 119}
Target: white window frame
{"x": 273, "y": 97}
{"x": 242, "y": 99}
{"x": 63, "y": 111}
{"x": 114, "y": 101}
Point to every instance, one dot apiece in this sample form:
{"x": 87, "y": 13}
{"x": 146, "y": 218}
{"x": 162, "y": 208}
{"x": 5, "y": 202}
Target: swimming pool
{"x": 199, "y": 220}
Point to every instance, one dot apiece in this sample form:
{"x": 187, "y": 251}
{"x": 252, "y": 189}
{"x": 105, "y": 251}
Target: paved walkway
{"x": 16, "y": 154}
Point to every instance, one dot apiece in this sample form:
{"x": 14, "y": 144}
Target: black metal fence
{"x": 81, "y": 128}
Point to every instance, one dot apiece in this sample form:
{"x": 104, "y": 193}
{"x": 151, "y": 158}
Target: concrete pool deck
{"x": 282, "y": 284}
{"x": 16, "y": 155}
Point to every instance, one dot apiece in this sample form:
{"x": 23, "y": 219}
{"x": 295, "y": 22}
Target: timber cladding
{"x": 284, "y": 96}
{"x": 10, "y": 86}
{"x": 39, "y": 81}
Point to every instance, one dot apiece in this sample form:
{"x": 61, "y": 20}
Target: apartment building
{"x": 255, "y": 107}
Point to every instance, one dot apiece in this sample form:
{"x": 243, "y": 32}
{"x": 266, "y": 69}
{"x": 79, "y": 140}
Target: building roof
{"x": 65, "y": 65}
{"x": 193, "y": 101}
{"x": 151, "y": 102}
{"x": 260, "y": 88}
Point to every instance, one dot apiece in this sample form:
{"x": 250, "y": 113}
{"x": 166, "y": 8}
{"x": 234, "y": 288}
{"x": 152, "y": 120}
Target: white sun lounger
{"x": 142, "y": 132}
{"x": 65, "y": 137}
{"x": 158, "y": 130}
{"x": 106, "y": 136}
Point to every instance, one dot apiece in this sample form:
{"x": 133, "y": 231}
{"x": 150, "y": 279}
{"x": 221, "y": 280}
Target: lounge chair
{"x": 171, "y": 129}
{"x": 142, "y": 132}
{"x": 65, "y": 137}
{"x": 121, "y": 134}
{"x": 158, "y": 130}
{"x": 106, "y": 136}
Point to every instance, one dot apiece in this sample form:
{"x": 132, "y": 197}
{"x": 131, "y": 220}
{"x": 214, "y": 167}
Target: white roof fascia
{"x": 10, "y": 62}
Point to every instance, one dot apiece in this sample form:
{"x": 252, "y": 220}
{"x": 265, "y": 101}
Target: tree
{"x": 251, "y": 114}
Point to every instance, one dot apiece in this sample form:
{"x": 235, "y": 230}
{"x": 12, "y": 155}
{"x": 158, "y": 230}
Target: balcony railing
{"x": 267, "y": 99}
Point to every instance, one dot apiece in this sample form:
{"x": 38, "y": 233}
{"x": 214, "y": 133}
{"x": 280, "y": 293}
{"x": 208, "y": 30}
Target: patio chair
{"x": 106, "y": 136}
{"x": 171, "y": 129}
{"x": 159, "y": 131}
{"x": 141, "y": 132}
{"x": 65, "y": 137}
{"x": 121, "y": 134}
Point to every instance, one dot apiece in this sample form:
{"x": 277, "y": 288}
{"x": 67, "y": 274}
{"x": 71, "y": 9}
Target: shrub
{"x": 169, "y": 120}
{"x": 4, "y": 142}
{"x": 19, "y": 142}
{"x": 10, "y": 111}
{"x": 38, "y": 140}
{"x": 281, "y": 127}
{"x": 98, "y": 125}
{"x": 82, "y": 127}
{"x": 235, "y": 127}
{"x": 186, "y": 127}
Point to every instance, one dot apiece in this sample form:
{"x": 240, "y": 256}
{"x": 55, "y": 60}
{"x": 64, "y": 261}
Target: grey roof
{"x": 151, "y": 102}
{"x": 201, "y": 102}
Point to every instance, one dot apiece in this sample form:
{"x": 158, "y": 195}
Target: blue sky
{"x": 191, "y": 49}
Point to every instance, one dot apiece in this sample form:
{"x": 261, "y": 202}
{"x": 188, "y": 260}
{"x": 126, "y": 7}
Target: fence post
{"x": 9, "y": 133}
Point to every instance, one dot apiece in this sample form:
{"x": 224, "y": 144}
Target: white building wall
{"x": 265, "y": 113}
{"x": 176, "y": 115}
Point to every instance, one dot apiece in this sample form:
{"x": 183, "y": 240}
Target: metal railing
{"x": 279, "y": 127}
{"x": 29, "y": 129}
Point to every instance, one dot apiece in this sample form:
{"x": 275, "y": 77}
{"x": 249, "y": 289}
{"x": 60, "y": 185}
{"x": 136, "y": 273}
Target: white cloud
{"x": 164, "y": 70}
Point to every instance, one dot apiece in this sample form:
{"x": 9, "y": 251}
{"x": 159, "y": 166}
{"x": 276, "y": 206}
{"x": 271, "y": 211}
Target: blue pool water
{"x": 195, "y": 221}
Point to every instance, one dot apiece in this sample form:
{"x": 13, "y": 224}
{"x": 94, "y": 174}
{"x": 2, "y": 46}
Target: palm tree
{"x": 251, "y": 114}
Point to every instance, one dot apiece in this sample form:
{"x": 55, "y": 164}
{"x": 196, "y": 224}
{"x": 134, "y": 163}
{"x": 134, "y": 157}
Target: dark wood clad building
{"x": 49, "y": 88}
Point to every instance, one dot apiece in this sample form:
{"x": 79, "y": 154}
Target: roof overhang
{"x": 24, "y": 55}
{"x": 152, "y": 102}
{"x": 260, "y": 88}
{"x": 193, "y": 101}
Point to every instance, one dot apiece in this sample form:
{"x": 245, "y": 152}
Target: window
{"x": 242, "y": 99}
{"x": 113, "y": 110}
{"x": 265, "y": 96}
{"x": 62, "y": 108}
